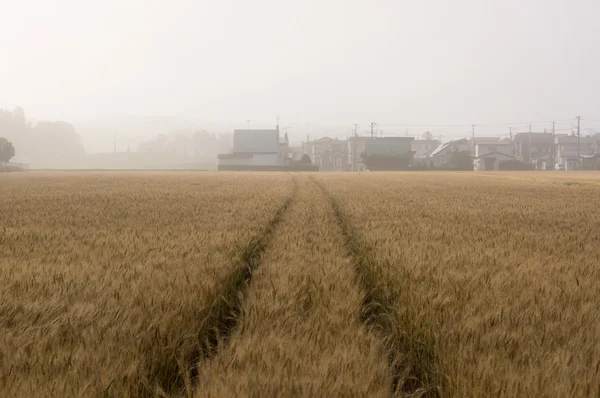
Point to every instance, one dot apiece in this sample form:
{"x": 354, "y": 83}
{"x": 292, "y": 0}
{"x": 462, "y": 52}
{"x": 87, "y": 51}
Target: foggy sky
{"x": 309, "y": 61}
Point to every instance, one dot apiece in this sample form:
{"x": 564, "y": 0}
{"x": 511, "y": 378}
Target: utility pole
{"x": 354, "y": 147}
{"x": 529, "y": 146}
{"x": 248, "y": 124}
{"x": 372, "y": 128}
{"x": 308, "y": 147}
{"x": 553, "y": 145}
{"x": 473, "y": 140}
{"x": 512, "y": 142}
{"x": 578, "y": 141}
{"x": 512, "y": 147}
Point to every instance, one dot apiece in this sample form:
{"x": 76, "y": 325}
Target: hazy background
{"x": 140, "y": 68}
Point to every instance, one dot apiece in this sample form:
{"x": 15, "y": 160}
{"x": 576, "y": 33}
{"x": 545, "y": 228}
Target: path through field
{"x": 300, "y": 329}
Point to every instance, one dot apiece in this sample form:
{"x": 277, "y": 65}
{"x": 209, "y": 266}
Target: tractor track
{"x": 409, "y": 376}
{"x": 221, "y": 314}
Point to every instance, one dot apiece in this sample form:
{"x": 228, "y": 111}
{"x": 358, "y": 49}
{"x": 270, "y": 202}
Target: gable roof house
{"x": 442, "y": 155}
{"x": 330, "y": 154}
{"x": 253, "y": 148}
{"x": 493, "y": 156}
{"x": 536, "y": 149}
{"x": 389, "y": 153}
{"x": 568, "y": 148}
{"x": 423, "y": 150}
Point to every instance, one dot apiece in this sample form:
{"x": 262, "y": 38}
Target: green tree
{"x": 305, "y": 160}
{"x": 7, "y": 151}
{"x": 462, "y": 160}
{"x": 387, "y": 161}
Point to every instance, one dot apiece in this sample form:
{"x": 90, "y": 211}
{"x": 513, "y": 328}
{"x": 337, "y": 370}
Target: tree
{"x": 387, "y": 161}
{"x": 7, "y": 151}
{"x": 428, "y": 135}
{"x": 462, "y": 160}
{"x": 305, "y": 160}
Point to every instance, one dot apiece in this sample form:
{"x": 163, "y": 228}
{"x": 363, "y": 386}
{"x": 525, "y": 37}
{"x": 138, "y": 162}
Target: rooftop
{"x": 389, "y": 145}
{"x": 250, "y": 141}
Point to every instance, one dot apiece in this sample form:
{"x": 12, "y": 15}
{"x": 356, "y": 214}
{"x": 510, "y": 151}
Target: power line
{"x": 477, "y": 124}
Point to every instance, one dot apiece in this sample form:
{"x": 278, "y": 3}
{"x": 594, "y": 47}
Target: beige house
{"x": 356, "y": 147}
{"x": 490, "y": 155}
{"x": 330, "y": 154}
{"x": 568, "y": 148}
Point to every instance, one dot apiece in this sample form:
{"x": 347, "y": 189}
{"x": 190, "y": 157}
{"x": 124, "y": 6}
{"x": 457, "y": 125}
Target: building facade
{"x": 536, "y": 149}
{"x": 489, "y": 156}
{"x": 570, "y": 149}
{"x": 388, "y": 153}
{"x": 330, "y": 154}
{"x": 356, "y": 147}
{"x": 255, "y": 148}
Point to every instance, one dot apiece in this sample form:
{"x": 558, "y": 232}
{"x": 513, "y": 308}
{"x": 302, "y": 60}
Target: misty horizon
{"x": 322, "y": 63}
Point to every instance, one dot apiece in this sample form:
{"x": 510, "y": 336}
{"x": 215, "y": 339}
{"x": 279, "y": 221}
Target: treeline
{"x": 45, "y": 144}
{"x": 201, "y": 144}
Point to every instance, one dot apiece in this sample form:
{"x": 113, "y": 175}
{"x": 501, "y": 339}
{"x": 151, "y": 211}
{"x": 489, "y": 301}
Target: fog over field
{"x": 307, "y": 198}
{"x": 142, "y": 68}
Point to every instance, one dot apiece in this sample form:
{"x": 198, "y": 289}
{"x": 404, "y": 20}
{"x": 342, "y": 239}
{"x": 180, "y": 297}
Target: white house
{"x": 442, "y": 155}
{"x": 423, "y": 149}
{"x": 255, "y": 148}
{"x": 489, "y": 155}
{"x": 567, "y": 150}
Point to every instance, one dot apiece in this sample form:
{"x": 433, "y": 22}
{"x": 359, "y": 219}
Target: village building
{"x": 569, "y": 148}
{"x": 356, "y": 147}
{"x": 256, "y": 148}
{"x": 442, "y": 155}
{"x": 330, "y": 154}
{"x": 423, "y": 150}
{"x": 388, "y": 153}
{"x": 491, "y": 156}
{"x": 535, "y": 149}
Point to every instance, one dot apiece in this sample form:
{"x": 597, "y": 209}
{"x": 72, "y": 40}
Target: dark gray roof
{"x": 266, "y": 141}
{"x": 389, "y": 145}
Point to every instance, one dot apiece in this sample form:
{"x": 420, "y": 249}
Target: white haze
{"x": 319, "y": 63}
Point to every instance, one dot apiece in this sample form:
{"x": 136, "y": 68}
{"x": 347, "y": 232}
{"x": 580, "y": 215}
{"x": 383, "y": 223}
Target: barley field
{"x": 180, "y": 284}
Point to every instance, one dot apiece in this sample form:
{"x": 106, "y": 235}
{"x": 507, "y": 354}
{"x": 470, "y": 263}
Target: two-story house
{"x": 569, "y": 147}
{"x": 253, "y": 148}
{"x": 330, "y": 154}
{"x": 535, "y": 149}
{"x": 490, "y": 155}
{"x": 356, "y": 147}
{"x": 388, "y": 153}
